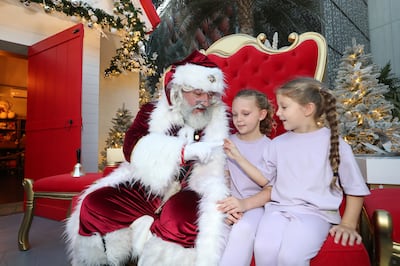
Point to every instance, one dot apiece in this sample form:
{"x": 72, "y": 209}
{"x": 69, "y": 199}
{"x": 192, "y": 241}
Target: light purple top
{"x": 298, "y": 167}
{"x": 241, "y": 185}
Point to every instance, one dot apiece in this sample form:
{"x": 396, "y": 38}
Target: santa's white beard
{"x": 196, "y": 120}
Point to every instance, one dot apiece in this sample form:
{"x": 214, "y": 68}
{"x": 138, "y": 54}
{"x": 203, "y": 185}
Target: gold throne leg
{"x": 23, "y": 234}
{"x": 383, "y": 228}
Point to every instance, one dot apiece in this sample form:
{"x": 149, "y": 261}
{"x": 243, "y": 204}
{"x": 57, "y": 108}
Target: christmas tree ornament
{"x": 47, "y": 9}
{"x": 57, "y": 2}
{"x": 75, "y": 3}
{"x": 93, "y": 18}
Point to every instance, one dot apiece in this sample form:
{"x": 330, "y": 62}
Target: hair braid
{"x": 331, "y": 117}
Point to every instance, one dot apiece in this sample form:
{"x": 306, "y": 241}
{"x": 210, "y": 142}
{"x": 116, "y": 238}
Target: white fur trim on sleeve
{"x": 140, "y": 233}
{"x": 156, "y": 160}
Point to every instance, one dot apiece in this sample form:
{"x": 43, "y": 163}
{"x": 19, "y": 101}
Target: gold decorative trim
{"x": 230, "y": 44}
{"x": 23, "y": 233}
{"x": 396, "y": 250}
{"x": 56, "y": 195}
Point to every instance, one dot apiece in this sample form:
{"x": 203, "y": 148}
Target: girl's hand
{"x": 231, "y": 205}
{"x": 345, "y": 235}
{"x": 233, "y": 218}
{"x": 230, "y": 149}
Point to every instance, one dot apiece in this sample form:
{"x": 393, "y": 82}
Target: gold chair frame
{"x": 230, "y": 44}
{"x": 377, "y": 237}
{"x": 23, "y": 233}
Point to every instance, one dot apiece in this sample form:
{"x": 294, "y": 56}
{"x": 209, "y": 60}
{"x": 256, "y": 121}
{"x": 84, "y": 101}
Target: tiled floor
{"x": 47, "y": 245}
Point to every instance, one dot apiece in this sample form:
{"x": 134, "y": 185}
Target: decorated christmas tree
{"x": 121, "y": 123}
{"x": 390, "y": 79}
{"x": 365, "y": 116}
{"x": 144, "y": 93}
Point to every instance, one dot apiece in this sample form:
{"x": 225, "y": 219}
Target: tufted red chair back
{"x": 248, "y": 63}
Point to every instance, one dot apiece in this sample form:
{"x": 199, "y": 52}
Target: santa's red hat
{"x": 196, "y": 71}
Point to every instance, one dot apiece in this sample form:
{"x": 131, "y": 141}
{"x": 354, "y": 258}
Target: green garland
{"x": 131, "y": 56}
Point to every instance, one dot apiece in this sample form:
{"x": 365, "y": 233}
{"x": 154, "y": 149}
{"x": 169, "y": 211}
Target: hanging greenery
{"x": 131, "y": 56}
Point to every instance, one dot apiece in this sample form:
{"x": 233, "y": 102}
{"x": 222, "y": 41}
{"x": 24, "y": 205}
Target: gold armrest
{"x": 385, "y": 249}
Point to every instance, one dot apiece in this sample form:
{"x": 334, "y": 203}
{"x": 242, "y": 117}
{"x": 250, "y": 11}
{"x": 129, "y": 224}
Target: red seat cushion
{"x": 332, "y": 254}
{"x": 58, "y": 209}
{"x": 107, "y": 170}
{"x": 385, "y": 199}
{"x": 336, "y": 254}
{"x": 65, "y": 182}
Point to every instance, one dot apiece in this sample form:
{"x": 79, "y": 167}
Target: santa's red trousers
{"x": 112, "y": 208}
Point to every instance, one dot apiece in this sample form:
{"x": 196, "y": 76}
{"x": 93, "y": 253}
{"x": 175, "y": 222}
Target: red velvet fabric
{"x": 385, "y": 199}
{"x": 178, "y": 219}
{"x": 332, "y": 254}
{"x": 65, "y": 182}
{"x": 52, "y": 208}
{"x": 138, "y": 129}
{"x": 108, "y": 209}
{"x": 58, "y": 209}
{"x": 251, "y": 68}
{"x": 107, "y": 170}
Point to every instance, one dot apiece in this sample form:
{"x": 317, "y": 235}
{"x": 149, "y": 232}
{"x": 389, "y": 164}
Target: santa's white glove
{"x": 186, "y": 133}
{"x": 200, "y": 151}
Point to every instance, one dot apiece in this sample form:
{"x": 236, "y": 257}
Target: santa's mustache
{"x": 199, "y": 105}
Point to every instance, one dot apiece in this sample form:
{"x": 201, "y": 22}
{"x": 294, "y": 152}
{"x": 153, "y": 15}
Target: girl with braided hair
{"x": 310, "y": 168}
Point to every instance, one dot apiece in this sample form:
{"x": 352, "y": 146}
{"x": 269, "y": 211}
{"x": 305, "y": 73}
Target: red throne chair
{"x": 380, "y": 220}
{"x": 248, "y": 63}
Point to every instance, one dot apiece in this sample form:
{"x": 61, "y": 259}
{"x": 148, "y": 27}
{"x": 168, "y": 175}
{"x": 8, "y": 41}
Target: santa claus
{"x": 160, "y": 207}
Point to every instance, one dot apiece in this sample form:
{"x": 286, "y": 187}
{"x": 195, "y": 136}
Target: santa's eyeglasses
{"x": 200, "y": 92}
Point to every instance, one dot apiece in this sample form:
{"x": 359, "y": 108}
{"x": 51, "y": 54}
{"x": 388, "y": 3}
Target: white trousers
{"x": 240, "y": 244}
{"x": 288, "y": 238}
